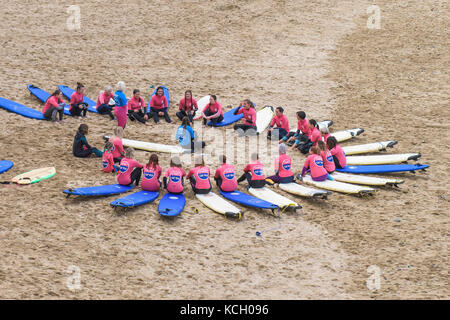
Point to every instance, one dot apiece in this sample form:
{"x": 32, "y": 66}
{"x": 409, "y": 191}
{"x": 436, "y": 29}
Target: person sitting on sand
{"x": 81, "y": 147}
{"x": 159, "y": 106}
{"x": 254, "y": 173}
{"x": 314, "y": 166}
{"x": 199, "y": 177}
{"x": 108, "y": 165}
{"x": 136, "y": 108}
{"x": 54, "y": 106}
{"x": 105, "y": 102}
{"x": 282, "y": 123}
{"x": 174, "y": 176}
{"x": 283, "y": 165}
{"x": 151, "y": 174}
{"x": 77, "y": 106}
{"x": 337, "y": 152}
{"x": 116, "y": 140}
{"x": 212, "y": 112}
{"x": 325, "y": 133}
{"x": 327, "y": 158}
{"x": 120, "y": 109}
{"x": 130, "y": 170}
{"x": 188, "y": 107}
{"x": 225, "y": 176}
{"x": 249, "y": 119}
{"x": 186, "y": 137}
{"x": 305, "y": 143}
{"x": 302, "y": 130}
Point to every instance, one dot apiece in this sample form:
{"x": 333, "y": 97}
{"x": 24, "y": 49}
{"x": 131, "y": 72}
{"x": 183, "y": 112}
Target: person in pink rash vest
{"x": 151, "y": 174}
{"x": 199, "y": 177}
{"x": 105, "y": 102}
{"x": 254, "y": 173}
{"x": 130, "y": 170}
{"x": 174, "y": 177}
{"x": 212, "y": 111}
{"x": 301, "y": 133}
{"x": 328, "y": 161}
{"x": 77, "y": 106}
{"x": 54, "y": 106}
{"x": 282, "y": 122}
{"x": 159, "y": 106}
{"x": 337, "y": 152}
{"x": 249, "y": 119}
{"x": 314, "y": 165}
{"x": 225, "y": 176}
{"x": 325, "y": 133}
{"x": 136, "y": 108}
{"x": 188, "y": 107}
{"x": 108, "y": 165}
{"x": 117, "y": 151}
{"x": 283, "y": 167}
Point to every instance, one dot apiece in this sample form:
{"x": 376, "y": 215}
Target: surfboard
{"x": 365, "y": 180}
{"x": 220, "y": 205}
{"x": 43, "y": 96}
{"x": 369, "y": 147}
{"x": 106, "y": 190}
{"x": 166, "y": 94}
{"x": 381, "y": 159}
{"x": 303, "y": 191}
{"x": 67, "y": 92}
{"x": 228, "y": 118}
{"x": 337, "y": 186}
{"x": 345, "y": 135}
{"x": 273, "y": 197}
{"x": 34, "y": 176}
{"x": 247, "y": 200}
{"x": 201, "y": 104}
{"x": 135, "y": 199}
{"x": 171, "y": 204}
{"x": 21, "y": 109}
{"x": 5, "y": 165}
{"x": 384, "y": 168}
{"x": 150, "y": 146}
{"x": 263, "y": 118}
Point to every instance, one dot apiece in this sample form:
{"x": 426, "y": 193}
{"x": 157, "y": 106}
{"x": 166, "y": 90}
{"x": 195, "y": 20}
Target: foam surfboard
{"x": 166, "y": 93}
{"x": 381, "y": 159}
{"x": 325, "y": 124}
{"x": 273, "y": 197}
{"x": 228, "y": 118}
{"x": 43, "y": 96}
{"x": 67, "y": 92}
{"x": 369, "y": 147}
{"x": 337, "y": 186}
{"x": 263, "y": 118}
{"x": 171, "y": 204}
{"x": 135, "y": 199}
{"x": 5, "y": 165}
{"x": 34, "y": 176}
{"x": 201, "y": 104}
{"x": 365, "y": 180}
{"x": 107, "y": 190}
{"x": 150, "y": 146}
{"x": 247, "y": 200}
{"x": 384, "y": 168}
{"x": 345, "y": 135}
{"x": 303, "y": 191}
{"x": 220, "y": 205}
{"x": 21, "y": 109}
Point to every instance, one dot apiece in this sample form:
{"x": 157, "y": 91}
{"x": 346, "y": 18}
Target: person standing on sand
{"x": 136, "y": 108}
{"x": 188, "y": 107}
{"x": 120, "y": 110}
{"x": 105, "y": 102}
{"x": 53, "y": 106}
{"x": 212, "y": 111}
{"x": 159, "y": 106}
{"x": 249, "y": 118}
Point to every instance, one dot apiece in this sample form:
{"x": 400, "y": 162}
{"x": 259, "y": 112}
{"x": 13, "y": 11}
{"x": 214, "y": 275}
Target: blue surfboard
{"x": 248, "y": 200}
{"x": 98, "y": 190}
{"x": 171, "y": 204}
{"x": 228, "y": 118}
{"x": 67, "y": 92}
{"x": 166, "y": 93}
{"x": 21, "y": 109}
{"x": 135, "y": 199}
{"x": 5, "y": 165}
{"x": 383, "y": 168}
{"x": 44, "y": 95}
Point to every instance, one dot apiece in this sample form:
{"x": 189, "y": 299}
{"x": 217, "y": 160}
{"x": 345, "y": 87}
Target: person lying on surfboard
{"x": 186, "y": 137}
{"x": 174, "y": 176}
{"x": 212, "y": 111}
{"x": 254, "y": 173}
{"x": 282, "y": 123}
{"x": 54, "y": 106}
{"x": 159, "y": 106}
{"x": 188, "y": 107}
{"x": 336, "y": 151}
{"x": 130, "y": 170}
{"x": 77, "y": 106}
{"x": 283, "y": 165}
{"x": 118, "y": 151}
{"x": 249, "y": 119}
{"x": 302, "y": 130}
{"x": 108, "y": 165}
{"x": 225, "y": 176}
{"x": 121, "y": 102}
{"x": 81, "y": 148}
{"x": 199, "y": 177}
{"x": 327, "y": 158}
{"x": 314, "y": 166}
{"x": 136, "y": 108}
{"x": 105, "y": 102}
{"x": 151, "y": 174}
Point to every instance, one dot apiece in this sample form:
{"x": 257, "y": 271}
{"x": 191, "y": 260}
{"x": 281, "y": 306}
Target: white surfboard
{"x": 382, "y": 159}
{"x": 150, "y": 146}
{"x": 369, "y": 147}
{"x": 345, "y": 135}
{"x": 263, "y": 118}
{"x": 365, "y": 180}
{"x": 219, "y": 205}
{"x": 201, "y": 105}
{"x": 273, "y": 197}
{"x": 34, "y": 176}
{"x": 303, "y": 191}
{"x": 337, "y": 186}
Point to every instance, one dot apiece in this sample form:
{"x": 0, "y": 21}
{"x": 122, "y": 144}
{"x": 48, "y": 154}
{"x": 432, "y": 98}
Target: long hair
{"x": 129, "y": 153}
{"x": 79, "y": 86}
{"x": 185, "y": 98}
{"x": 83, "y": 128}
{"x": 118, "y": 132}
{"x": 331, "y": 142}
{"x": 315, "y": 150}
{"x": 153, "y": 161}
{"x": 313, "y": 123}
{"x": 55, "y": 93}
{"x": 321, "y": 145}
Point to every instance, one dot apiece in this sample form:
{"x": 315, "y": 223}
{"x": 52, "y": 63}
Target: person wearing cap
{"x": 282, "y": 123}
{"x": 105, "y": 102}
{"x": 283, "y": 165}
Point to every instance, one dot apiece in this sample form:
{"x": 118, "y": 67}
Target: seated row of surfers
{"x": 319, "y": 164}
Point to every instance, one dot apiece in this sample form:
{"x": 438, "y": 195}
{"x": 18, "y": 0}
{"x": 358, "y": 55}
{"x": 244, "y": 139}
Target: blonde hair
{"x": 129, "y": 153}
{"x": 118, "y": 132}
{"x": 120, "y": 85}
{"x": 108, "y": 88}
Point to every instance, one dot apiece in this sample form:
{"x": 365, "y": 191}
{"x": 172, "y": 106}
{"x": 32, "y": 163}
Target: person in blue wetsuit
{"x": 186, "y": 137}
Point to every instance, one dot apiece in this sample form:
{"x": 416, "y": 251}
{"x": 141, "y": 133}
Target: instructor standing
{"x": 121, "y": 108}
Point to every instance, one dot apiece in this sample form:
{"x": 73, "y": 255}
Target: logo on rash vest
{"x": 286, "y": 164}
{"x": 258, "y": 171}
{"x": 105, "y": 164}
{"x": 319, "y": 163}
{"x": 124, "y": 167}
{"x": 175, "y": 179}
{"x": 203, "y": 175}
{"x": 330, "y": 158}
{"x": 149, "y": 175}
{"x": 229, "y": 174}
